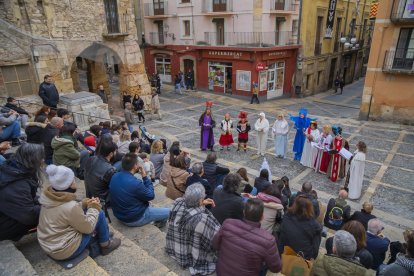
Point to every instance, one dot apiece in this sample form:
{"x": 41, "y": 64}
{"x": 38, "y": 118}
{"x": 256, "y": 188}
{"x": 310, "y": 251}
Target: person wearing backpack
{"x": 338, "y": 211}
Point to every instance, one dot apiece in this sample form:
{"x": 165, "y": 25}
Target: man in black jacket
{"x": 364, "y": 215}
{"x": 198, "y": 172}
{"x": 48, "y": 92}
{"x": 12, "y": 104}
{"x": 213, "y": 172}
{"x": 306, "y": 192}
{"x": 50, "y": 131}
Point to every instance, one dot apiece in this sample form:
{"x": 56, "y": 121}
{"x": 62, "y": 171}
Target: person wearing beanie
{"x": 65, "y": 225}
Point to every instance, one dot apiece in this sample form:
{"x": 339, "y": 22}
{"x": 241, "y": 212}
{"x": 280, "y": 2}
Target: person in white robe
{"x": 355, "y": 175}
{"x": 280, "y": 131}
{"x": 309, "y": 153}
{"x": 262, "y": 128}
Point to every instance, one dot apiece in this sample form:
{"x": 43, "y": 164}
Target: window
{"x": 318, "y": 44}
{"x": 163, "y": 67}
{"x": 187, "y": 28}
{"x": 159, "y": 6}
{"x": 320, "y": 74}
{"x": 111, "y": 15}
{"x": 308, "y": 81}
{"x": 295, "y": 27}
{"x": 17, "y": 80}
{"x": 185, "y": 1}
{"x": 404, "y": 53}
{"x": 337, "y": 33}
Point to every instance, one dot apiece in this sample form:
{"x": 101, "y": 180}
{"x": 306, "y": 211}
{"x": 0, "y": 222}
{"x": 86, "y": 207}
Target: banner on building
{"x": 330, "y": 19}
{"x": 374, "y": 9}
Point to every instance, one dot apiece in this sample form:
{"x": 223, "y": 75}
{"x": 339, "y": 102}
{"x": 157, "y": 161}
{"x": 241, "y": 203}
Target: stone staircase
{"x": 141, "y": 252}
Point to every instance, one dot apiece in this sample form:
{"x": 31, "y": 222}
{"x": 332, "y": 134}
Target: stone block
{"x": 13, "y": 262}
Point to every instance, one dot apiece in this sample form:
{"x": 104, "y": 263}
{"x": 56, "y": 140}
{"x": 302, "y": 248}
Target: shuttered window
{"x": 17, "y": 80}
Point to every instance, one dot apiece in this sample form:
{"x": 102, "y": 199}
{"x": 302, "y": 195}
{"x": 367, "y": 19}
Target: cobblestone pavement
{"x": 389, "y": 172}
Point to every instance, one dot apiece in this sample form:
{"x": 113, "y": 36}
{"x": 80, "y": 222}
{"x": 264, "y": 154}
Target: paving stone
{"x": 409, "y": 138}
{"x": 168, "y": 129}
{"x": 375, "y": 155}
{"x": 403, "y": 161}
{"x": 372, "y": 143}
{"x": 279, "y": 167}
{"x": 398, "y": 177}
{"x": 13, "y": 262}
{"x": 379, "y": 134}
{"x": 321, "y": 182}
{"x": 371, "y": 170}
{"x": 173, "y": 106}
{"x": 187, "y": 113}
{"x": 385, "y": 199}
{"x": 186, "y": 124}
{"x": 192, "y": 100}
{"x": 406, "y": 149}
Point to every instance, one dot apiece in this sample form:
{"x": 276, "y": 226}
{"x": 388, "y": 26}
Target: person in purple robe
{"x": 207, "y": 123}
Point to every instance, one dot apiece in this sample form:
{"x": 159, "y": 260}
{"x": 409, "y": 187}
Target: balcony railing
{"x": 283, "y": 5}
{"x": 399, "y": 61}
{"x": 156, "y": 38}
{"x": 402, "y": 11}
{"x": 249, "y": 39}
{"x": 209, "y": 6}
{"x": 117, "y": 26}
{"x": 156, "y": 8}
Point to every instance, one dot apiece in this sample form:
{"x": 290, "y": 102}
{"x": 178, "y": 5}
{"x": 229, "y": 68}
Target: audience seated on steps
{"x": 213, "y": 172}
{"x": 338, "y": 211}
{"x": 300, "y": 230}
{"x": 191, "y": 228}
{"x": 262, "y": 182}
{"x": 273, "y": 208}
{"x": 364, "y": 215}
{"x": 66, "y": 227}
{"x": 91, "y": 138}
{"x": 4, "y": 147}
{"x": 20, "y": 178}
{"x": 23, "y": 114}
{"x": 377, "y": 243}
{"x": 99, "y": 170}
{"x": 228, "y": 203}
{"x": 65, "y": 115}
{"x": 130, "y": 196}
{"x": 404, "y": 262}
{"x": 342, "y": 261}
{"x": 358, "y": 231}
{"x": 9, "y": 126}
{"x": 178, "y": 177}
{"x": 124, "y": 141}
{"x": 197, "y": 177}
{"x": 35, "y": 130}
{"x": 50, "y": 132}
{"x": 245, "y": 249}
{"x": 157, "y": 157}
{"x": 307, "y": 192}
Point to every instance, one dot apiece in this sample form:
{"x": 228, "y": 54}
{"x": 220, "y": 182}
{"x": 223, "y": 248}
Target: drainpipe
{"x": 295, "y": 77}
{"x": 138, "y": 20}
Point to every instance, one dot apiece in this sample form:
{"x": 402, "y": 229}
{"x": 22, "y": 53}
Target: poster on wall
{"x": 244, "y": 80}
{"x": 330, "y": 19}
{"x": 263, "y": 80}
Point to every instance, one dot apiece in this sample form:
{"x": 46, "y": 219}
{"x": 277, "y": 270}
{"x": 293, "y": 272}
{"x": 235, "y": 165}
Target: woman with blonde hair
{"x": 321, "y": 162}
{"x": 280, "y": 131}
{"x": 157, "y": 157}
{"x": 124, "y": 141}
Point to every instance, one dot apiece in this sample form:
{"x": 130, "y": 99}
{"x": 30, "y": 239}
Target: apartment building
{"x": 227, "y": 43}
{"x": 388, "y": 92}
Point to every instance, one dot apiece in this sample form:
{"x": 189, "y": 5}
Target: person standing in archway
{"x": 48, "y": 92}
{"x": 190, "y": 79}
{"x": 102, "y": 94}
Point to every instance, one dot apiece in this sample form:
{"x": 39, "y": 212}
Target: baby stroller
{"x": 148, "y": 137}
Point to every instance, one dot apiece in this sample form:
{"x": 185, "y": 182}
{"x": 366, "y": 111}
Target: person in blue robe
{"x": 302, "y": 122}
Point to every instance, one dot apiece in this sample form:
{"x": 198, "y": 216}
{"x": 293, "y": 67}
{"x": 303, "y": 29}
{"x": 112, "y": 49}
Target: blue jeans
{"x": 178, "y": 86}
{"x": 151, "y": 214}
{"x": 131, "y": 129}
{"x": 220, "y": 179}
{"x": 11, "y": 132}
{"x": 2, "y": 159}
{"x": 102, "y": 232}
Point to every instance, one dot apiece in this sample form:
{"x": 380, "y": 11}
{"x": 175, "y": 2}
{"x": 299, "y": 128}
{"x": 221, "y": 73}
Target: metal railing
{"x": 400, "y": 60}
{"x": 156, "y": 38}
{"x": 249, "y": 39}
{"x": 156, "y": 8}
{"x": 284, "y": 5}
{"x": 402, "y": 11}
{"x": 119, "y": 26}
{"x": 210, "y": 6}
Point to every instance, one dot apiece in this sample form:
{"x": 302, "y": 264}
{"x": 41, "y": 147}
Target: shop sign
{"x": 330, "y": 19}
{"x": 226, "y": 54}
{"x": 260, "y": 66}
{"x": 276, "y": 55}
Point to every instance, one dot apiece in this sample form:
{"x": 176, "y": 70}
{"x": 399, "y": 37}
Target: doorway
{"x": 220, "y": 31}
{"x": 275, "y": 79}
{"x": 332, "y": 70}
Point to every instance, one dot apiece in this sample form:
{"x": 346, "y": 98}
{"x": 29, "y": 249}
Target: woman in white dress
{"x": 355, "y": 175}
{"x": 309, "y": 153}
{"x": 280, "y": 131}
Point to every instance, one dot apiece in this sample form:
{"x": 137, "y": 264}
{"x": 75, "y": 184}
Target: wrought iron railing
{"x": 402, "y": 11}
{"x": 249, "y": 39}
{"x": 156, "y": 7}
{"x": 156, "y": 38}
{"x": 217, "y": 6}
{"x": 399, "y": 60}
{"x": 284, "y": 5}
{"x": 119, "y": 26}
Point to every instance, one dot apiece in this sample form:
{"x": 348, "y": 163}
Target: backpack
{"x": 336, "y": 215}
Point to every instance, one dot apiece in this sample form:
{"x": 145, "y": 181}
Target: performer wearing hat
{"x": 207, "y": 123}
{"x": 337, "y": 164}
{"x": 301, "y": 124}
{"x": 226, "y": 137}
{"x": 243, "y": 128}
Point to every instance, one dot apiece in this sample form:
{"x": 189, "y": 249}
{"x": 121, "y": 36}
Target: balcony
{"x": 117, "y": 26}
{"x": 402, "y": 12}
{"x": 249, "y": 39}
{"x": 156, "y": 38}
{"x": 217, "y": 7}
{"x": 400, "y": 61}
{"x": 156, "y": 9}
{"x": 284, "y": 7}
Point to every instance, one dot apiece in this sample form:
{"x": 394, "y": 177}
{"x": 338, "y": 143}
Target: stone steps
{"x": 13, "y": 261}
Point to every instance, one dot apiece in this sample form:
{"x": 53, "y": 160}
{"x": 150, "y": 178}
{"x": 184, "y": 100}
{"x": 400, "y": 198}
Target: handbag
{"x": 294, "y": 264}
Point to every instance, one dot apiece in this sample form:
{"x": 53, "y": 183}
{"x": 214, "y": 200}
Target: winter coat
{"x": 129, "y": 117}
{"x": 327, "y": 265}
{"x": 49, "y": 133}
{"x": 158, "y": 160}
{"x": 315, "y": 202}
{"x": 346, "y": 209}
{"x": 102, "y": 94}
{"x": 98, "y": 174}
{"x": 272, "y": 205}
{"x": 138, "y": 104}
{"x": 403, "y": 266}
{"x": 123, "y": 147}
{"x": 228, "y": 205}
{"x": 176, "y": 183}
{"x": 211, "y": 171}
{"x": 130, "y": 196}
{"x": 300, "y": 235}
{"x": 195, "y": 178}
{"x": 49, "y": 94}
{"x": 62, "y": 223}
{"x": 166, "y": 170}
{"x": 261, "y": 184}
{"x": 16, "y": 108}
{"x": 243, "y": 248}
{"x": 363, "y": 217}
{"x": 6, "y": 120}
{"x": 35, "y": 132}
{"x": 65, "y": 153}
{"x": 378, "y": 247}
{"x": 19, "y": 206}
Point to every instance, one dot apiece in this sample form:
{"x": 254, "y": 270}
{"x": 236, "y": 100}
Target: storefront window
{"x": 163, "y": 67}
{"x": 220, "y": 77}
{"x": 275, "y": 79}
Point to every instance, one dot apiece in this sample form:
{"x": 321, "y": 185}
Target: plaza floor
{"x": 389, "y": 172}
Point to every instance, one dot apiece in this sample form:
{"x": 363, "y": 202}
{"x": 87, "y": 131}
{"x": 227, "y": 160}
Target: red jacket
{"x": 243, "y": 248}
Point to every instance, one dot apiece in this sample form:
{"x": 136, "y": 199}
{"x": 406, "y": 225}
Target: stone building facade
{"x": 60, "y": 37}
